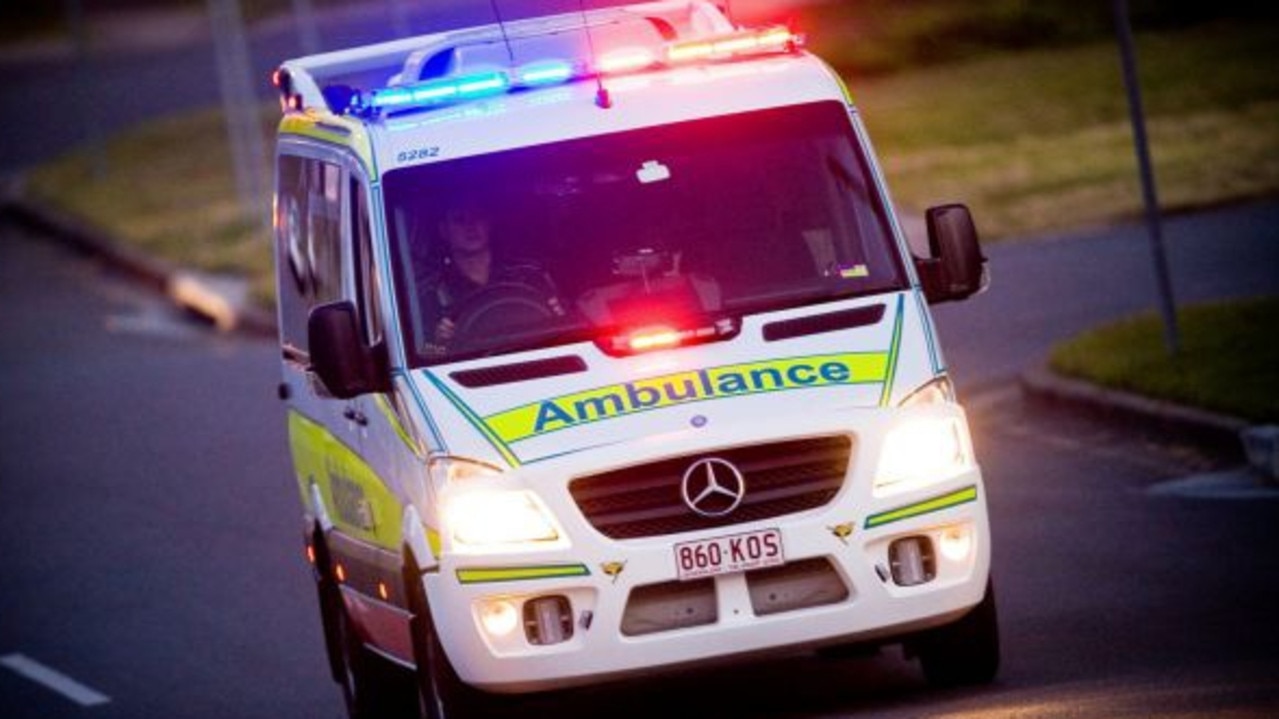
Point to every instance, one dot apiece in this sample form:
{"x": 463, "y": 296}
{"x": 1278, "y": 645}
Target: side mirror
{"x": 344, "y": 363}
{"x": 957, "y": 268}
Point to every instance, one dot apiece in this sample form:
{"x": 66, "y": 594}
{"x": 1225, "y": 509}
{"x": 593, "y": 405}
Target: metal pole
{"x": 1128, "y": 58}
{"x": 85, "y": 88}
{"x": 240, "y": 106}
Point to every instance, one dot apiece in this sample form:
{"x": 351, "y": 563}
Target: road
{"x": 151, "y": 543}
{"x": 1050, "y": 289}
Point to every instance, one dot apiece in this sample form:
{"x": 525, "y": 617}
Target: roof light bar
{"x": 626, "y": 59}
{"x": 620, "y": 61}
{"x": 751, "y": 42}
{"x": 438, "y": 92}
{"x": 546, "y": 72}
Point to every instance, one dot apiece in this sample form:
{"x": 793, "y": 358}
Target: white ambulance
{"x": 604, "y": 353}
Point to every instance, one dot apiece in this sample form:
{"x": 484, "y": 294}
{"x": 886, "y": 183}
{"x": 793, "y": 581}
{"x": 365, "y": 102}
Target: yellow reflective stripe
{"x": 946, "y": 501}
{"x": 433, "y": 541}
{"x": 334, "y": 129}
{"x": 393, "y": 419}
{"x": 663, "y": 391}
{"x": 894, "y": 351}
{"x": 356, "y": 499}
{"x": 480, "y": 575}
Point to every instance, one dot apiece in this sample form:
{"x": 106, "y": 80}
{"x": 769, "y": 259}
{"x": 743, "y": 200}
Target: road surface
{"x": 150, "y": 535}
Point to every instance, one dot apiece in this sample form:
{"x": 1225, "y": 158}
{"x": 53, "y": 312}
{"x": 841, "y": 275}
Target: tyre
{"x": 965, "y": 652}
{"x": 371, "y": 686}
{"x": 442, "y": 693}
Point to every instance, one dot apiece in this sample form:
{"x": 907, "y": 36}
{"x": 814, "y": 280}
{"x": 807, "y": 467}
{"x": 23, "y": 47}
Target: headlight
{"x": 939, "y": 391}
{"x": 484, "y": 517}
{"x": 478, "y": 514}
{"x": 923, "y": 451}
{"x": 447, "y": 470}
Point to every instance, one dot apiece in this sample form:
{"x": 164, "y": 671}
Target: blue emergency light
{"x": 544, "y": 73}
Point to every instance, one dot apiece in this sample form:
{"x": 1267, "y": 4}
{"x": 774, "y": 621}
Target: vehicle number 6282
{"x": 418, "y": 153}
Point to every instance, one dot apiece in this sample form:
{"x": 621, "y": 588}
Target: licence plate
{"x": 731, "y": 553}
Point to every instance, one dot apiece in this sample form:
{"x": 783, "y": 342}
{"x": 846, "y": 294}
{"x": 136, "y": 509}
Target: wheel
{"x": 965, "y": 652}
{"x": 442, "y": 693}
{"x": 372, "y": 686}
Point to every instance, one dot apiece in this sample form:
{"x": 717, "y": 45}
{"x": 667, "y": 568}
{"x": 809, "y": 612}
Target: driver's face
{"x": 466, "y": 231}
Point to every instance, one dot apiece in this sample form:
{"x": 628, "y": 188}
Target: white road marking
{"x": 55, "y": 680}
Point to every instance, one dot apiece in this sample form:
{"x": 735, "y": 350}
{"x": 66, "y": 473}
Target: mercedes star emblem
{"x": 713, "y": 487}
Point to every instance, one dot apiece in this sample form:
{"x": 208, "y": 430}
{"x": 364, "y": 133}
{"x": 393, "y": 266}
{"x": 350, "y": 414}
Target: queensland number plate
{"x": 732, "y": 553}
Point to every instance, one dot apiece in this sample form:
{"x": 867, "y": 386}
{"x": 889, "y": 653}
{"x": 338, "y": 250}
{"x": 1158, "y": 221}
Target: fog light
{"x": 498, "y": 617}
{"x": 548, "y": 620}
{"x": 912, "y": 561}
{"x": 956, "y": 543}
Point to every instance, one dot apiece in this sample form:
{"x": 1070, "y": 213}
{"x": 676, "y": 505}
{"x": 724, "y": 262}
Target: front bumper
{"x": 627, "y": 613}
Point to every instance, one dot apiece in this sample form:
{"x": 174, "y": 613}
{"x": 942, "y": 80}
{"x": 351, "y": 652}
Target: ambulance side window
{"x": 367, "y": 285}
{"x": 308, "y": 238}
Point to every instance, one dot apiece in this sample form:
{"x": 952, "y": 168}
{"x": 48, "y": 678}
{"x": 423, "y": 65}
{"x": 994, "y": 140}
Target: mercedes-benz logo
{"x": 713, "y": 487}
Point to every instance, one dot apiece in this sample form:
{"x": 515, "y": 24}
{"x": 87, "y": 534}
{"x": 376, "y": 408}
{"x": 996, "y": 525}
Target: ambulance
{"x": 605, "y": 354}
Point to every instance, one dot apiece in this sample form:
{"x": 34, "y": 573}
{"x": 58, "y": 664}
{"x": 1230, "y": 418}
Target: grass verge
{"x": 162, "y": 197}
{"x": 1040, "y": 141}
{"x": 1229, "y": 362}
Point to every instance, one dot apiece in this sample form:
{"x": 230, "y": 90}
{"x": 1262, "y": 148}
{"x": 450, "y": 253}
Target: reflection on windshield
{"x": 672, "y": 226}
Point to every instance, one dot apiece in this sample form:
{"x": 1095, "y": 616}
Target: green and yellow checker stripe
{"x": 935, "y": 504}
{"x": 484, "y": 575}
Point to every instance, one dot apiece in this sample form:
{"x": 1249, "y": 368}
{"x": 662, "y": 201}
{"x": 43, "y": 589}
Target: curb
{"x": 202, "y": 295}
{"x": 1257, "y": 444}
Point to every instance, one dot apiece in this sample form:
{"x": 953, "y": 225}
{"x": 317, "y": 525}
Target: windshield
{"x": 679, "y": 225}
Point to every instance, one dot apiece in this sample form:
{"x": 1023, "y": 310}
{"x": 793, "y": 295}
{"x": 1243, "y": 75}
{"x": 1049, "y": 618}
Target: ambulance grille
{"x": 781, "y": 478}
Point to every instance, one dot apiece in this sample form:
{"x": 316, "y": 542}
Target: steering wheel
{"x": 496, "y": 310}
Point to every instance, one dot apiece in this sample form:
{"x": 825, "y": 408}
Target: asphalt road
{"x": 1055, "y": 287}
{"x": 151, "y": 552}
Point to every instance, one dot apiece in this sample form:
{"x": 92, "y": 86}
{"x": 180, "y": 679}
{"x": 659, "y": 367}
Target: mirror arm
{"x": 931, "y": 279}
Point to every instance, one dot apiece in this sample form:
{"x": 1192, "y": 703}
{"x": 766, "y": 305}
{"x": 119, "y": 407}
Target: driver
{"x": 470, "y": 265}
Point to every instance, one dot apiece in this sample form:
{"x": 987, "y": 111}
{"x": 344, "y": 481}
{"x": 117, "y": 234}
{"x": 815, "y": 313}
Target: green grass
{"x": 1039, "y": 140}
{"x": 170, "y": 197}
{"x": 1229, "y": 360}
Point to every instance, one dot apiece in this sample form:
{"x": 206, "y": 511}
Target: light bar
{"x": 627, "y": 59}
{"x": 438, "y": 92}
{"x": 546, "y": 72}
{"x": 656, "y": 337}
{"x": 772, "y": 39}
{"x": 619, "y": 61}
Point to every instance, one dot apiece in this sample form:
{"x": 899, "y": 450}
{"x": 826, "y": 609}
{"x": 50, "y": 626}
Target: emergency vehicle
{"x": 605, "y": 353}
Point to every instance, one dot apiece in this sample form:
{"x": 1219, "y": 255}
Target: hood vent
{"x": 519, "y": 372}
{"x": 819, "y": 324}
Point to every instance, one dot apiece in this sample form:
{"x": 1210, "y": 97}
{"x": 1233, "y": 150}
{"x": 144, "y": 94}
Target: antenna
{"x": 510, "y": 52}
{"x": 602, "y": 98}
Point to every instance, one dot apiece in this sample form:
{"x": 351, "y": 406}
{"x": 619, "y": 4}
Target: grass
{"x": 1040, "y": 141}
{"x": 1229, "y": 360}
{"x": 1034, "y": 141}
{"x": 171, "y": 202}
